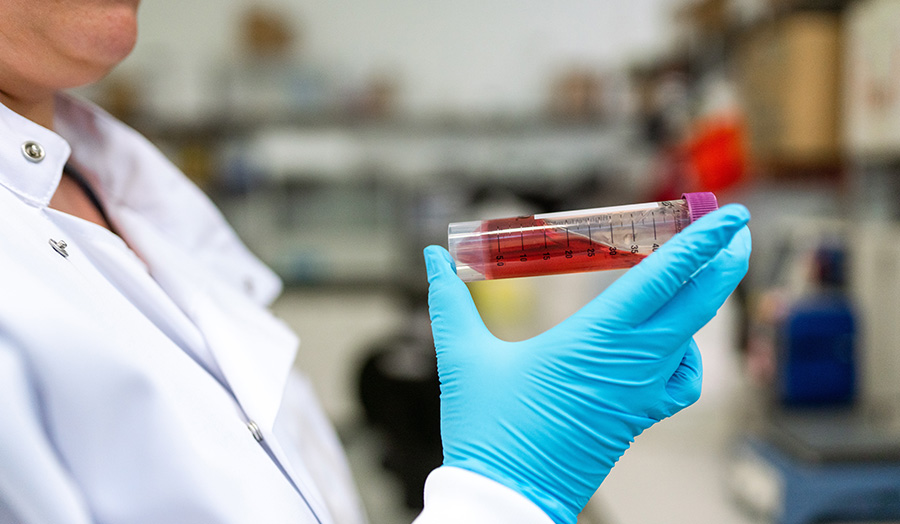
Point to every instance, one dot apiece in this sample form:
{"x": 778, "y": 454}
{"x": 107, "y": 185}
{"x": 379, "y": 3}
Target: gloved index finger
{"x": 651, "y": 284}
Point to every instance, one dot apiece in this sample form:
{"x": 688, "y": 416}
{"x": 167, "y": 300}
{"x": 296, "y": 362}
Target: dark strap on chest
{"x": 79, "y": 179}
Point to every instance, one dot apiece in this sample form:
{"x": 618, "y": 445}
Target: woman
{"x": 143, "y": 379}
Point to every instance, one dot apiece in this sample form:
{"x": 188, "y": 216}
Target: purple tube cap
{"x": 700, "y": 204}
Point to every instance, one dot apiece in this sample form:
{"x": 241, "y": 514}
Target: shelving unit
{"x": 817, "y": 84}
{"x": 347, "y": 203}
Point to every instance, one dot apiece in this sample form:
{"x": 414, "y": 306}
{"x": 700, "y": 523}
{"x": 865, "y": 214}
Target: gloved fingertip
{"x": 437, "y": 262}
{"x": 718, "y": 228}
{"x": 739, "y": 212}
{"x": 733, "y": 216}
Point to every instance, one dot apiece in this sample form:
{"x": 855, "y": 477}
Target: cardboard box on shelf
{"x": 710, "y": 15}
{"x": 872, "y": 91}
{"x": 577, "y": 95}
{"x": 789, "y": 73}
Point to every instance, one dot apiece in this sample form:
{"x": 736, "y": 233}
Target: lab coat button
{"x": 254, "y": 430}
{"x": 33, "y": 151}
{"x": 60, "y": 247}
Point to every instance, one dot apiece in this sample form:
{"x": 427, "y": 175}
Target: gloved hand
{"x": 550, "y": 416}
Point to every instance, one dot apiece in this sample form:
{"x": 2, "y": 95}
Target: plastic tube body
{"x": 572, "y": 241}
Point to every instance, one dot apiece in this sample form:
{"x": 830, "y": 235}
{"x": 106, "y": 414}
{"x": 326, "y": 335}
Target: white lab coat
{"x": 146, "y": 382}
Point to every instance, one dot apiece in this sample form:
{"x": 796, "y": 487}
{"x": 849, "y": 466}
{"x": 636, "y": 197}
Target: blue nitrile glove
{"x": 550, "y": 416}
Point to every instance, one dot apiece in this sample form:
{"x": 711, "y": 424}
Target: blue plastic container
{"x": 817, "y": 361}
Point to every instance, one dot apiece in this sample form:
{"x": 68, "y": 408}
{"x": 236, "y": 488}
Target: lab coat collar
{"x": 131, "y": 173}
{"x": 127, "y": 172}
{"x": 34, "y": 181}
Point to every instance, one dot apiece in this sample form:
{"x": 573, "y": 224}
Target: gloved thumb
{"x": 453, "y": 313}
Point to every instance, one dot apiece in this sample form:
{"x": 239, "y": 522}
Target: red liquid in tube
{"x": 570, "y": 242}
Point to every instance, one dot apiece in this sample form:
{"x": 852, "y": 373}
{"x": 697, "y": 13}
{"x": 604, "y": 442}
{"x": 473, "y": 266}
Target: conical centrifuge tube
{"x": 571, "y": 241}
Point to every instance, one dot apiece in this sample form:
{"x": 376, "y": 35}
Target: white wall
{"x": 481, "y": 55}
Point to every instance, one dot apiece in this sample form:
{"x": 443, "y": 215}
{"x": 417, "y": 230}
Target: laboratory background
{"x": 340, "y": 138}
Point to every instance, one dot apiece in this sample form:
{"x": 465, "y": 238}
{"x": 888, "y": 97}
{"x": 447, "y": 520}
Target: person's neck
{"x": 39, "y": 110}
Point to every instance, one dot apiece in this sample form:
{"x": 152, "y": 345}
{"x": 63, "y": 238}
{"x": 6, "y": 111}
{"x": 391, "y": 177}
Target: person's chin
{"x": 121, "y": 37}
{"x": 109, "y": 37}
